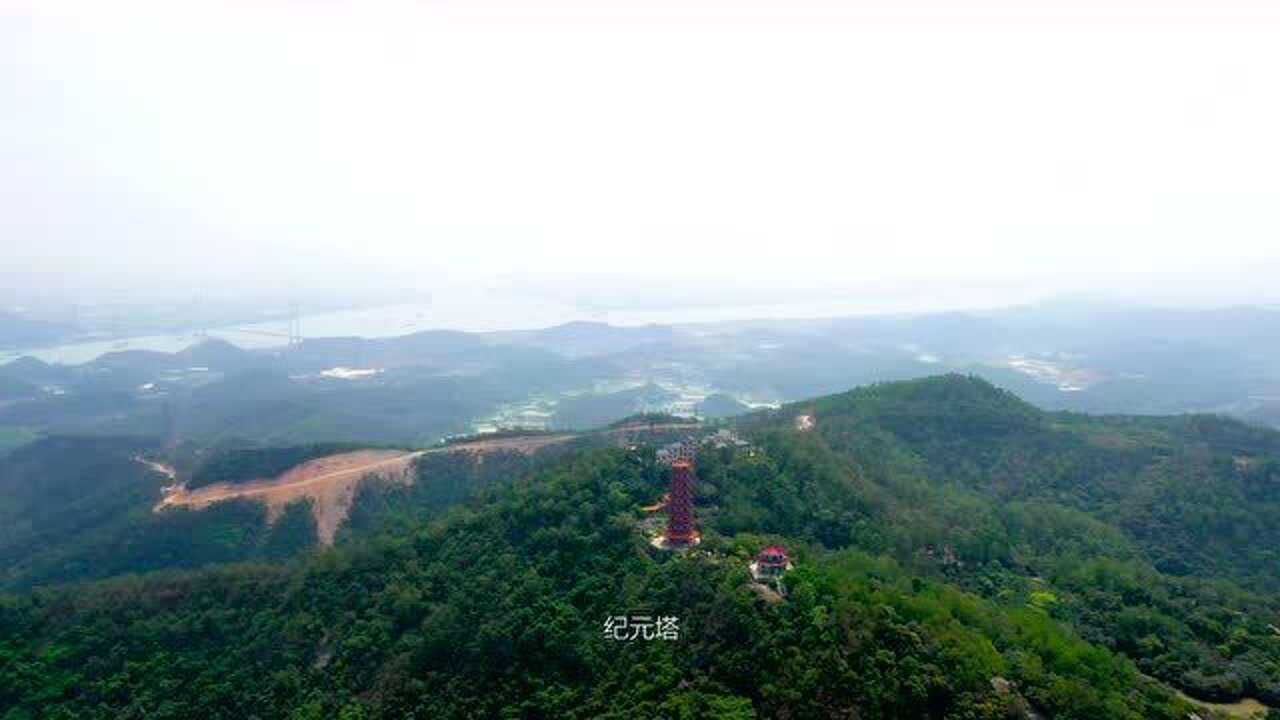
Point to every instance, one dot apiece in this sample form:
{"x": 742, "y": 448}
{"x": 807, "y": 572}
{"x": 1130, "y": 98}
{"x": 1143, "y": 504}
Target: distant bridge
{"x": 292, "y": 333}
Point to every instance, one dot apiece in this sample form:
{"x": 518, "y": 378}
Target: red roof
{"x": 773, "y": 551}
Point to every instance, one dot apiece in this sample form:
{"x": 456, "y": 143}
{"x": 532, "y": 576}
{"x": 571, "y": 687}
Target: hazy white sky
{"x": 188, "y": 145}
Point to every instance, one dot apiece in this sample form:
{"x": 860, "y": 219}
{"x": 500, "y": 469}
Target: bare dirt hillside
{"x": 329, "y": 482}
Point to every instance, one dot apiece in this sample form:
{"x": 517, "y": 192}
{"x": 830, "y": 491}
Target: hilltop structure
{"x": 680, "y": 525}
{"x": 681, "y": 531}
{"x": 770, "y": 564}
{"x": 685, "y": 449}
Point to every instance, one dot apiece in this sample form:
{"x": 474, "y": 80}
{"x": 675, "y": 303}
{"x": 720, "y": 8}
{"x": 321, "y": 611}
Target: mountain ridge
{"x": 972, "y": 514}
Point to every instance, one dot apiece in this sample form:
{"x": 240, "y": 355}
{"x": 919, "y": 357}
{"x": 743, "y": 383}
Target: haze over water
{"x": 487, "y": 312}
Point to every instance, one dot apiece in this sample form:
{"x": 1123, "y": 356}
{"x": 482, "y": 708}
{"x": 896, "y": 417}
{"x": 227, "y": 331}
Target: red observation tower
{"x": 680, "y": 529}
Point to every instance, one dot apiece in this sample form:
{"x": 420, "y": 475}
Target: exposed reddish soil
{"x": 331, "y": 482}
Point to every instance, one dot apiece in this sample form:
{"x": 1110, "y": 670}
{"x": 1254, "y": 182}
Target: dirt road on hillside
{"x": 526, "y": 444}
{"x": 330, "y": 482}
{"x": 166, "y": 470}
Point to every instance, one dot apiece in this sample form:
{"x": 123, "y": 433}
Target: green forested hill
{"x": 73, "y": 508}
{"x": 959, "y": 554}
{"x": 1156, "y": 537}
{"x": 498, "y": 610}
{"x": 1199, "y": 494}
{"x": 80, "y": 508}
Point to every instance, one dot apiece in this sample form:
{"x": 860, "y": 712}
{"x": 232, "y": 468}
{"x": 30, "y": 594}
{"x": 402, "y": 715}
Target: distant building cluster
{"x": 725, "y": 438}
{"x": 687, "y": 449}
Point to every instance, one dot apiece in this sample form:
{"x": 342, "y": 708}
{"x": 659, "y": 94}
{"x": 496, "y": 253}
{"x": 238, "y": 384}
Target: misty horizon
{"x": 631, "y": 159}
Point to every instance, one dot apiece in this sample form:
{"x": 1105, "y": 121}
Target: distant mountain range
{"x": 1070, "y": 356}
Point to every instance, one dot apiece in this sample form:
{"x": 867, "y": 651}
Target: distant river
{"x": 482, "y": 313}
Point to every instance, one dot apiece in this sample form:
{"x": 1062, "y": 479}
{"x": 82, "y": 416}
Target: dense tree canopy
{"x": 497, "y": 611}
{"x": 958, "y": 553}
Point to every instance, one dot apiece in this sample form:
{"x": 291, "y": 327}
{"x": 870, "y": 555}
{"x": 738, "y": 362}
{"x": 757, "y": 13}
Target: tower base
{"x": 662, "y": 543}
